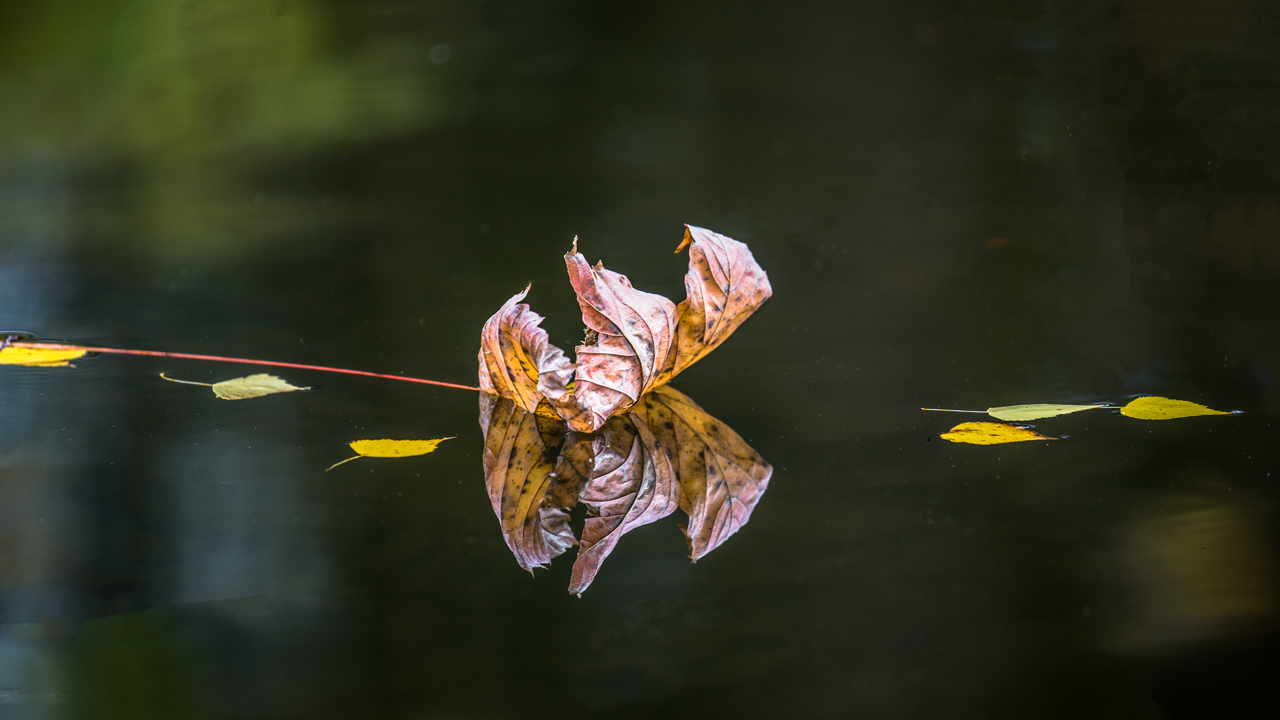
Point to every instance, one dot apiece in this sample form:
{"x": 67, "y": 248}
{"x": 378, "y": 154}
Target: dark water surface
{"x": 959, "y": 204}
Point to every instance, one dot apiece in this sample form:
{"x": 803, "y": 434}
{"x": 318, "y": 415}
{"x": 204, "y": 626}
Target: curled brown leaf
{"x": 516, "y": 359}
{"x": 636, "y": 341}
{"x": 723, "y": 287}
{"x": 634, "y": 335}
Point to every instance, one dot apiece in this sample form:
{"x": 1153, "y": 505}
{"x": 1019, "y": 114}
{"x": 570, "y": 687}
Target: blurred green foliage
{"x": 166, "y": 114}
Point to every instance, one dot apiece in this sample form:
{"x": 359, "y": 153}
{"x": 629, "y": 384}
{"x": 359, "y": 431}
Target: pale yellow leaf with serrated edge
{"x": 1162, "y": 408}
{"x": 243, "y": 388}
{"x": 985, "y": 433}
{"x": 37, "y": 357}
{"x": 391, "y": 449}
{"x": 252, "y": 386}
{"x": 1023, "y": 413}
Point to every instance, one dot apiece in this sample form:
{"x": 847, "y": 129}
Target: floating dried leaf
{"x": 986, "y": 433}
{"x": 390, "y": 449}
{"x": 39, "y": 357}
{"x": 244, "y": 388}
{"x": 1162, "y": 408}
{"x": 1024, "y": 413}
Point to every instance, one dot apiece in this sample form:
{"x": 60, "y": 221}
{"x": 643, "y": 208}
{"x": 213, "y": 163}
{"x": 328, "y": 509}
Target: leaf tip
{"x": 688, "y": 238}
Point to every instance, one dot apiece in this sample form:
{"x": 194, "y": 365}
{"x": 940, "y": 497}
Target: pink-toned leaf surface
{"x": 630, "y": 468}
{"x": 642, "y": 340}
{"x": 516, "y": 360}
{"x": 531, "y": 509}
{"x": 635, "y": 331}
{"x": 721, "y": 478}
{"x": 723, "y": 287}
{"x": 632, "y": 484}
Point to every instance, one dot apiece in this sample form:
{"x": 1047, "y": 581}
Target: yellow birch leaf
{"x": 39, "y": 357}
{"x": 1024, "y": 413}
{"x": 1162, "y": 408}
{"x": 391, "y": 449}
{"x": 985, "y": 433}
{"x": 244, "y": 388}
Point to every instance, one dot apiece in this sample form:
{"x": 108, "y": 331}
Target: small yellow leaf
{"x": 39, "y": 357}
{"x": 985, "y": 433}
{"x": 391, "y": 449}
{"x": 244, "y": 388}
{"x": 1162, "y": 408}
{"x": 1023, "y": 413}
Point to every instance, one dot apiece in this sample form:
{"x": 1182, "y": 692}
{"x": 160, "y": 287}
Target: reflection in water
{"x": 1196, "y": 574}
{"x": 666, "y": 452}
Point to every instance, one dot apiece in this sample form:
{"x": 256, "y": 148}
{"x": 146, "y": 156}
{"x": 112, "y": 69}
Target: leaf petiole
{"x": 344, "y": 462}
{"x": 185, "y": 382}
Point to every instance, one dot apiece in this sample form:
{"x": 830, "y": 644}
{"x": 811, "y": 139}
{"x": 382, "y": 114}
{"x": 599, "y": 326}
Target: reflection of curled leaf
{"x": 632, "y": 484}
{"x": 38, "y": 357}
{"x": 637, "y": 341}
{"x": 985, "y": 433}
{"x": 518, "y": 472}
{"x": 1162, "y": 408}
{"x": 636, "y": 469}
{"x": 721, "y": 478}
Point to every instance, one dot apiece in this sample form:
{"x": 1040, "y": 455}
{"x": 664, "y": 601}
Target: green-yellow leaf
{"x": 38, "y": 357}
{"x": 391, "y": 449}
{"x": 986, "y": 433}
{"x": 1024, "y": 413}
{"x": 244, "y": 388}
{"x": 1162, "y": 408}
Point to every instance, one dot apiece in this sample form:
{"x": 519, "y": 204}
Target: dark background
{"x": 959, "y": 204}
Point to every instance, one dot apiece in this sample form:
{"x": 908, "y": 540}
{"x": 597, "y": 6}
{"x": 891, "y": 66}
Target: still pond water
{"x": 959, "y": 204}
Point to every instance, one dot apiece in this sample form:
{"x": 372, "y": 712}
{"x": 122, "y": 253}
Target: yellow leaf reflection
{"x": 985, "y": 433}
{"x": 1162, "y": 408}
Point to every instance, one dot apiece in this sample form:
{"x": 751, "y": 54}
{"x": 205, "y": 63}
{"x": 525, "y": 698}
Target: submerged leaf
{"x": 390, "y": 449}
{"x": 986, "y": 433}
{"x": 39, "y": 357}
{"x": 721, "y": 478}
{"x": 1024, "y": 413}
{"x": 244, "y": 388}
{"x": 1162, "y": 408}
